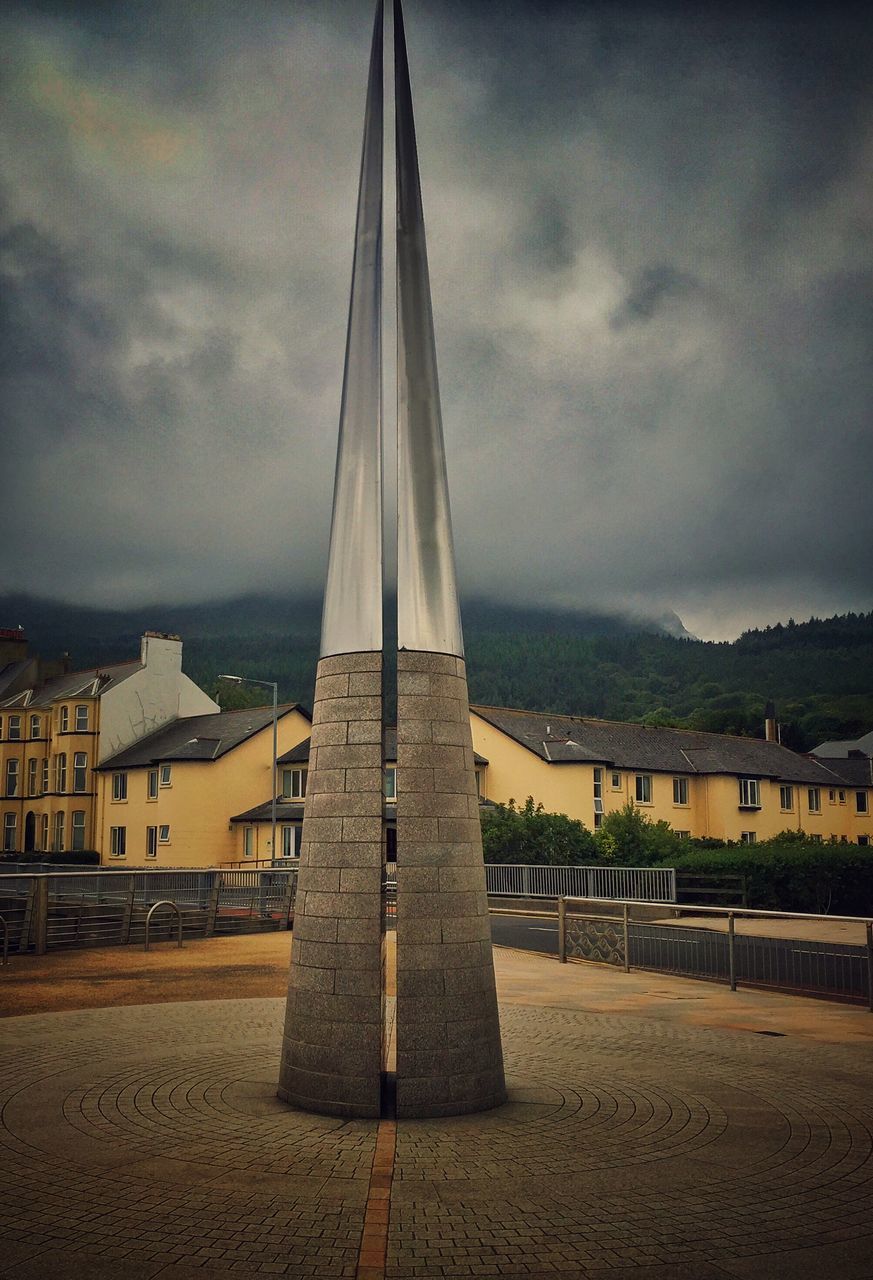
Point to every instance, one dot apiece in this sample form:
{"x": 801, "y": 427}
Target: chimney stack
{"x": 771, "y": 727}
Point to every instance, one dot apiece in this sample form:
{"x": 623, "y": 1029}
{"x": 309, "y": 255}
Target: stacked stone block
{"x": 332, "y": 1045}
{"x": 449, "y": 1057}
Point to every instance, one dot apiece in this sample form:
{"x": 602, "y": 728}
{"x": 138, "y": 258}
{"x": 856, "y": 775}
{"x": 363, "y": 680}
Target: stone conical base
{"x": 332, "y": 1046}
{"x": 449, "y": 1056}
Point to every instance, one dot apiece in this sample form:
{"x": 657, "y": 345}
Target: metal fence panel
{"x": 635, "y": 884}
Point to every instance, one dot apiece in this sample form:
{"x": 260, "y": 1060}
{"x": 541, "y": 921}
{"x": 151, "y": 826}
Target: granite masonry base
{"x": 332, "y": 1048}
{"x": 449, "y": 1057}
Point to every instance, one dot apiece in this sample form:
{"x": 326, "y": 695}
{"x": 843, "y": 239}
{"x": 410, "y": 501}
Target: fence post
{"x": 525, "y": 881}
{"x": 40, "y": 917}
{"x": 870, "y": 965}
{"x": 127, "y": 918}
{"x": 24, "y": 936}
{"x": 625, "y": 914}
{"x": 212, "y": 908}
{"x": 732, "y": 965}
{"x": 562, "y": 930}
{"x": 288, "y": 900}
{"x": 672, "y": 884}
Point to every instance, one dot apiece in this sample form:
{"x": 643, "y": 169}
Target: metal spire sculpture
{"x": 449, "y": 1057}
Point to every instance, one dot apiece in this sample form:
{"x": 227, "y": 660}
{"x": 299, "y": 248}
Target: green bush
{"x": 628, "y": 838}
{"x": 530, "y": 835}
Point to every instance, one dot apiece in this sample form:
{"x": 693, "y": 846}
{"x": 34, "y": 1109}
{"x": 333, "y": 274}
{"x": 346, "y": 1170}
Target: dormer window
{"x": 294, "y": 783}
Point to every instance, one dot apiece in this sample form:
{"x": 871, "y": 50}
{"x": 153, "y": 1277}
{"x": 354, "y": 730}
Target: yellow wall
{"x": 198, "y": 804}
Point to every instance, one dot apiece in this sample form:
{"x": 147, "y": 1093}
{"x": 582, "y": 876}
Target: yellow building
{"x": 702, "y": 784}
{"x": 56, "y": 726}
{"x": 168, "y": 799}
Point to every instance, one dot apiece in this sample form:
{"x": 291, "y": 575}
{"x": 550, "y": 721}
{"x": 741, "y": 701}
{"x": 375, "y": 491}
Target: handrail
{"x": 151, "y": 911}
{"x": 5, "y": 940}
{"x": 690, "y": 908}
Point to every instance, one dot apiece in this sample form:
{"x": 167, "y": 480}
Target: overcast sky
{"x": 650, "y": 248}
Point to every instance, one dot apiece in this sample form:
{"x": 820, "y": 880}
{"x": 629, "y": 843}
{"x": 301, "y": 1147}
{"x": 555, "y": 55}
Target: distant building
{"x": 57, "y": 726}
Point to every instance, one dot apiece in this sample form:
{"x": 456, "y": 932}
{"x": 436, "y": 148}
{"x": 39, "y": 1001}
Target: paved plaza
{"x": 655, "y": 1128}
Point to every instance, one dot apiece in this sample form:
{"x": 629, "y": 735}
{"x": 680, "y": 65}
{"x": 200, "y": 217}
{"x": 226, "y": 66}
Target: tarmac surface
{"x": 657, "y": 1128}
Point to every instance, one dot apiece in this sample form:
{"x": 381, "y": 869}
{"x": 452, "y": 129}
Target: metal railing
{"x": 47, "y": 912}
{"x": 637, "y": 884}
{"x": 807, "y": 967}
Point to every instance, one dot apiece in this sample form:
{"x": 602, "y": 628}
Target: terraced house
{"x": 57, "y": 726}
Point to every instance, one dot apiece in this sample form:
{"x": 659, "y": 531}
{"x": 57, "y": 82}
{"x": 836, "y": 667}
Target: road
{"x": 526, "y": 933}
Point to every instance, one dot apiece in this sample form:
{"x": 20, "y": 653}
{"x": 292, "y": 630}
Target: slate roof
{"x": 286, "y": 811}
{"x": 856, "y": 772}
{"x": 300, "y": 753}
{"x": 561, "y": 739}
{"x": 73, "y": 684}
{"x": 206, "y": 737}
{"x": 841, "y": 748}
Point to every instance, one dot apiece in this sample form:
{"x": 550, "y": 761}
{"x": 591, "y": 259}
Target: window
{"x": 786, "y": 798}
{"x": 58, "y": 842}
{"x": 841, "y": 796}
{"x": 389, "y": 784}
{"x": 249, "y": 842}
{"x": 12, "y": 779}
{"x": 480, "y": 784}
{"x": 683, "y": 835}
{"x": 750, "y": 793}
{"x": 813, "y": 799}
{"x": 45, "y": 775}
{"x": 35, "y": 726}
{"x": 294, "y": 784}
{"x": 816, "y": 839}
{"x": 119, "y": 786}
{"x": 117, "y": 841}
{"x": 152, "y": 785}
{"x": 10, "y": 832}
{"x": 615, "y": 781}
{"x": 644, "y": 788}
{"x": 14, "y": 728}
{"x": 832, "y": 796}
{"x": 82, "y": 718}
{"x": 291, "y": 841}
{"x": 31, "y": 776}
{"x": 61, "y": 772}
{"x": 77, "y": 833}
{"x": 44, "y": 832}
{"x": 1, "y": 728}
{"x": 680, "y": 790}
{"x": 598, "y": 797}
{"x": 861, "y": 802}
{"x": 64, "y": 719}
{"x": 749, "y": 837}
{"x": 166, "y": 775}
{"x": 164, "y": 833}
{"x": 864, "y": 840}
{"x": 151, "y": 842}
{"x": 80, "y": 771}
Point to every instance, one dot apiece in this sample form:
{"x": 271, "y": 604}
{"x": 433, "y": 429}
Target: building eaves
{"x": 300, "y": 753}
{"x": 200, "y": 738}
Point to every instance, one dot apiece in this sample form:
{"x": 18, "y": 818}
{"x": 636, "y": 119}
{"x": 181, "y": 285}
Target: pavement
{"x": 657, "y": 1128}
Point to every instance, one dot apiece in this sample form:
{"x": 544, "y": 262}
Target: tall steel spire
{"x": 352, "y": 617}
{"x": 428, "y": 617}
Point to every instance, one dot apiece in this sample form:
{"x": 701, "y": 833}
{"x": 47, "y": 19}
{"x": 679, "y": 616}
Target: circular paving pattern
{"x": 149, "y": 1141}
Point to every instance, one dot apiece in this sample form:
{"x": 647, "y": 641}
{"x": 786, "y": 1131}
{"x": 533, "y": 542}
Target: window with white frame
{"x": 77, "y": 830}
{"x": 389, "y": 784}
{"x": 643, "y": 788}
{"x": 864, "y": 840}
{"x": 119, "y": 786}
{"x": 816, "y": 839}
{"x": 291, "y": 836}
{"x": 786, "y": 799}
{"x": 61, "y": 772}
{"x": 750, "y": 793}
{"x": 813, "y": 799}
{"x": 10, "y": 832}
{"x": 44, "y": 832}
{"x": 615, "y": 781}
{"x": 152, "y": 785}
{"x": 151, "y": 842}
{"x": 1, "y": 728}
{"x": 117, "y": 842}
{"x": 294, "y": 783}
{"x": 58, "y": 839}
{"x": 64, "y": 719}
{"x": 749, "y": 837}
{"x": 45, "y": 775}
{"x": 164, "y": 833}
{"x": 680, "y": 791}
{"x": 166, "y": 775}
{"x": 841, "y": 796}
{"x": 683, "y": 835}
{"x": 31, "y": 776}
{"x": 36, "y": 726}
{"x": 82, "y": 718}
{"x": 832, "y": 796}
{"x": 80, "y": 771}
{"x": 598, "y": 797}
{"x": 248, "y": 842}
{"x": 480, "y": 783}
{"x": 14, "y": 728}
{"x": 12, "y": 777}
{"x": 862, "y": 804}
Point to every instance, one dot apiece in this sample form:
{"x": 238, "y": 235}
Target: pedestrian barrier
{"x": 151, "y": 911}
{"x": 637, "y": 884}
{"x": 835, "y": 969}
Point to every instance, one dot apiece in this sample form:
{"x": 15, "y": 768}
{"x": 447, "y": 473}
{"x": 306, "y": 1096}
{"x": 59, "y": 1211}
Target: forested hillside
{"x": 820, "y": 673}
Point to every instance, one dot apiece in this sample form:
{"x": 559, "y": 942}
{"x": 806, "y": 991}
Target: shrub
{"x": 792, "y": 875}
{"x": 531, "y": 835}
{"x": 629, "y": 838}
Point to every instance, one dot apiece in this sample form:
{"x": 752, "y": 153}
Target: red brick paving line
{"x": 374, "y": 1240}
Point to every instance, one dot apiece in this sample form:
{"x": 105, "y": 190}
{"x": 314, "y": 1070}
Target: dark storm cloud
{"x": 650, "y": 251}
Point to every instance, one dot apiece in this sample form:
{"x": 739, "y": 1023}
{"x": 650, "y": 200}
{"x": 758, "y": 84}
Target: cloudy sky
{"x": 650, "y": 243}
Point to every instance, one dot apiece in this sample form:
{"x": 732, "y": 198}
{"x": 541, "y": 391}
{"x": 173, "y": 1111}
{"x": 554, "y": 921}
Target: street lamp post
{"x": 269, "y": 684}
